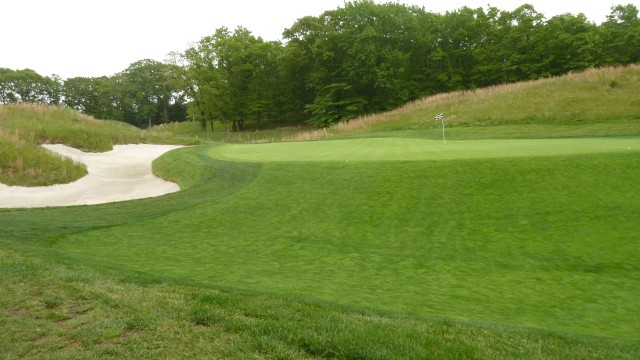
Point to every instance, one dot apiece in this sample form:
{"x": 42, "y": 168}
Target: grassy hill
{"x": 596, "y": 102}
{"x": 384, "y": 242}
{"x": 23, "y": 127}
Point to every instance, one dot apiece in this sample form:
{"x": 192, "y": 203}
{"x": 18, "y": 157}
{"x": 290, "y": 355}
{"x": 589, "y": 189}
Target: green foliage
{"x": 92, "y": 96}
{"x": 28, "y": 86}
{"x": 358, "y": 59}
{"x": 361, "y": 57}
{"x": 146, "y": 86}
{"x": 621, "y": 35}
{"x": 144, "y": 94}
{"x": 382, "y": 55}
{"x": 232, "y": 77}
{"x": 337, "y": 102}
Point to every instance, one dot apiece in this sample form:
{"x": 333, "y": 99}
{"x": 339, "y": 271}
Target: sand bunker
{"x": 121, "y": 174}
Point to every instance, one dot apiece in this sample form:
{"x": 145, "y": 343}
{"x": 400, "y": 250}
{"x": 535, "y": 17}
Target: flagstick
{"x": 440, "y": 117}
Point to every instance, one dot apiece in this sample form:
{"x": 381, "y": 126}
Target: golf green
{"x": 390, "y": 149}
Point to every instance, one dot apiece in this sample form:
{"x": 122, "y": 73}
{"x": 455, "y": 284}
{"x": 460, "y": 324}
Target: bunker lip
{"x": 118, "y": 175}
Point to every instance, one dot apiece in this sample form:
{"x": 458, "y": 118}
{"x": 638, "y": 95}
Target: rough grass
{"x": 606, "y": 96}
{"x": 193, "y": 130}
{"x": 44, "y": 124}
{"x": 24, "y": 163}
{"x": 23, "y": 127}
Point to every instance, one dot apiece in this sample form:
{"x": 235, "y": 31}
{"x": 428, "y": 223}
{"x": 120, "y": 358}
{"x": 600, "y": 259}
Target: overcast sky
{"x": 102, "y": 37}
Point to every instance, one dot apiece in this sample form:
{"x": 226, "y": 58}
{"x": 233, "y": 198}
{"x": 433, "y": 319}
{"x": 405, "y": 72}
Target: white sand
{"x": 121, "y": 174}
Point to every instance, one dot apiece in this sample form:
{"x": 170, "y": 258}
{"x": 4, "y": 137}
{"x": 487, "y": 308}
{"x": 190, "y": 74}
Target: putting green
{"x": 399, "y": 149}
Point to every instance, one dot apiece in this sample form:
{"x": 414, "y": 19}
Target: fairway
{"x": 390, "y": 149}
{"x": 527, "y": 240}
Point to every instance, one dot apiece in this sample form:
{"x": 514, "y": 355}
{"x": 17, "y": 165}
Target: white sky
{"x": 102, "y": 37}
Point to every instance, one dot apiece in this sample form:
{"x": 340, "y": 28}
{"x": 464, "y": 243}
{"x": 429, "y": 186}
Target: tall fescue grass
{"x": 23, "y": 127}
{"x": 193, "y": 130}
{"x": 595, "y": 96}
{"x": 24, "y": 163}
{"x": 52, "y": 124}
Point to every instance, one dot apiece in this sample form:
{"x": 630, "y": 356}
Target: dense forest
{"x": 357, "y": 59}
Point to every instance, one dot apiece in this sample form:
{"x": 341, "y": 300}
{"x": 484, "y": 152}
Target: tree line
{"x": 357, "y": 59}
{"x": 142, "y": 95}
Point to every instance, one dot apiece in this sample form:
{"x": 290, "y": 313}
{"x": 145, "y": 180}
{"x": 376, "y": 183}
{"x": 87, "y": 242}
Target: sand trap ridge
{"x": 121, "y": 174}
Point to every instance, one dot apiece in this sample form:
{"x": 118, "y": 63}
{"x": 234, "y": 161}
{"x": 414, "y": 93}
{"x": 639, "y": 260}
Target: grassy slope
{"x": 24, "y": 127}
{"x": 594, "y": 96}
{"x": 597, "y": 102}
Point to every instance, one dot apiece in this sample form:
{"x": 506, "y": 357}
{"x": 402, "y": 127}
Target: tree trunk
{"x": 203, "y": 121}
{"x": 226, "y": 125}
{"x": 238, "y": 125}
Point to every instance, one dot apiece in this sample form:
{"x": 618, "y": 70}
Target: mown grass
{"x": 412, "y": 149}
{"x": 58, "y": 306}
{"x": 526, "y": 241}
{"x": 59, "y": 311}
{"x": 23, "y": 127}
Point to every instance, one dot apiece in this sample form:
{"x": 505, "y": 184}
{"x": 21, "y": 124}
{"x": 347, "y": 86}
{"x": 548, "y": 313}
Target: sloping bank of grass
{"x": 595, "y": 102}
{"x": 23, "y": 127}
{"x": 24, "y": 163}
{"x": 75, "y": 309}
